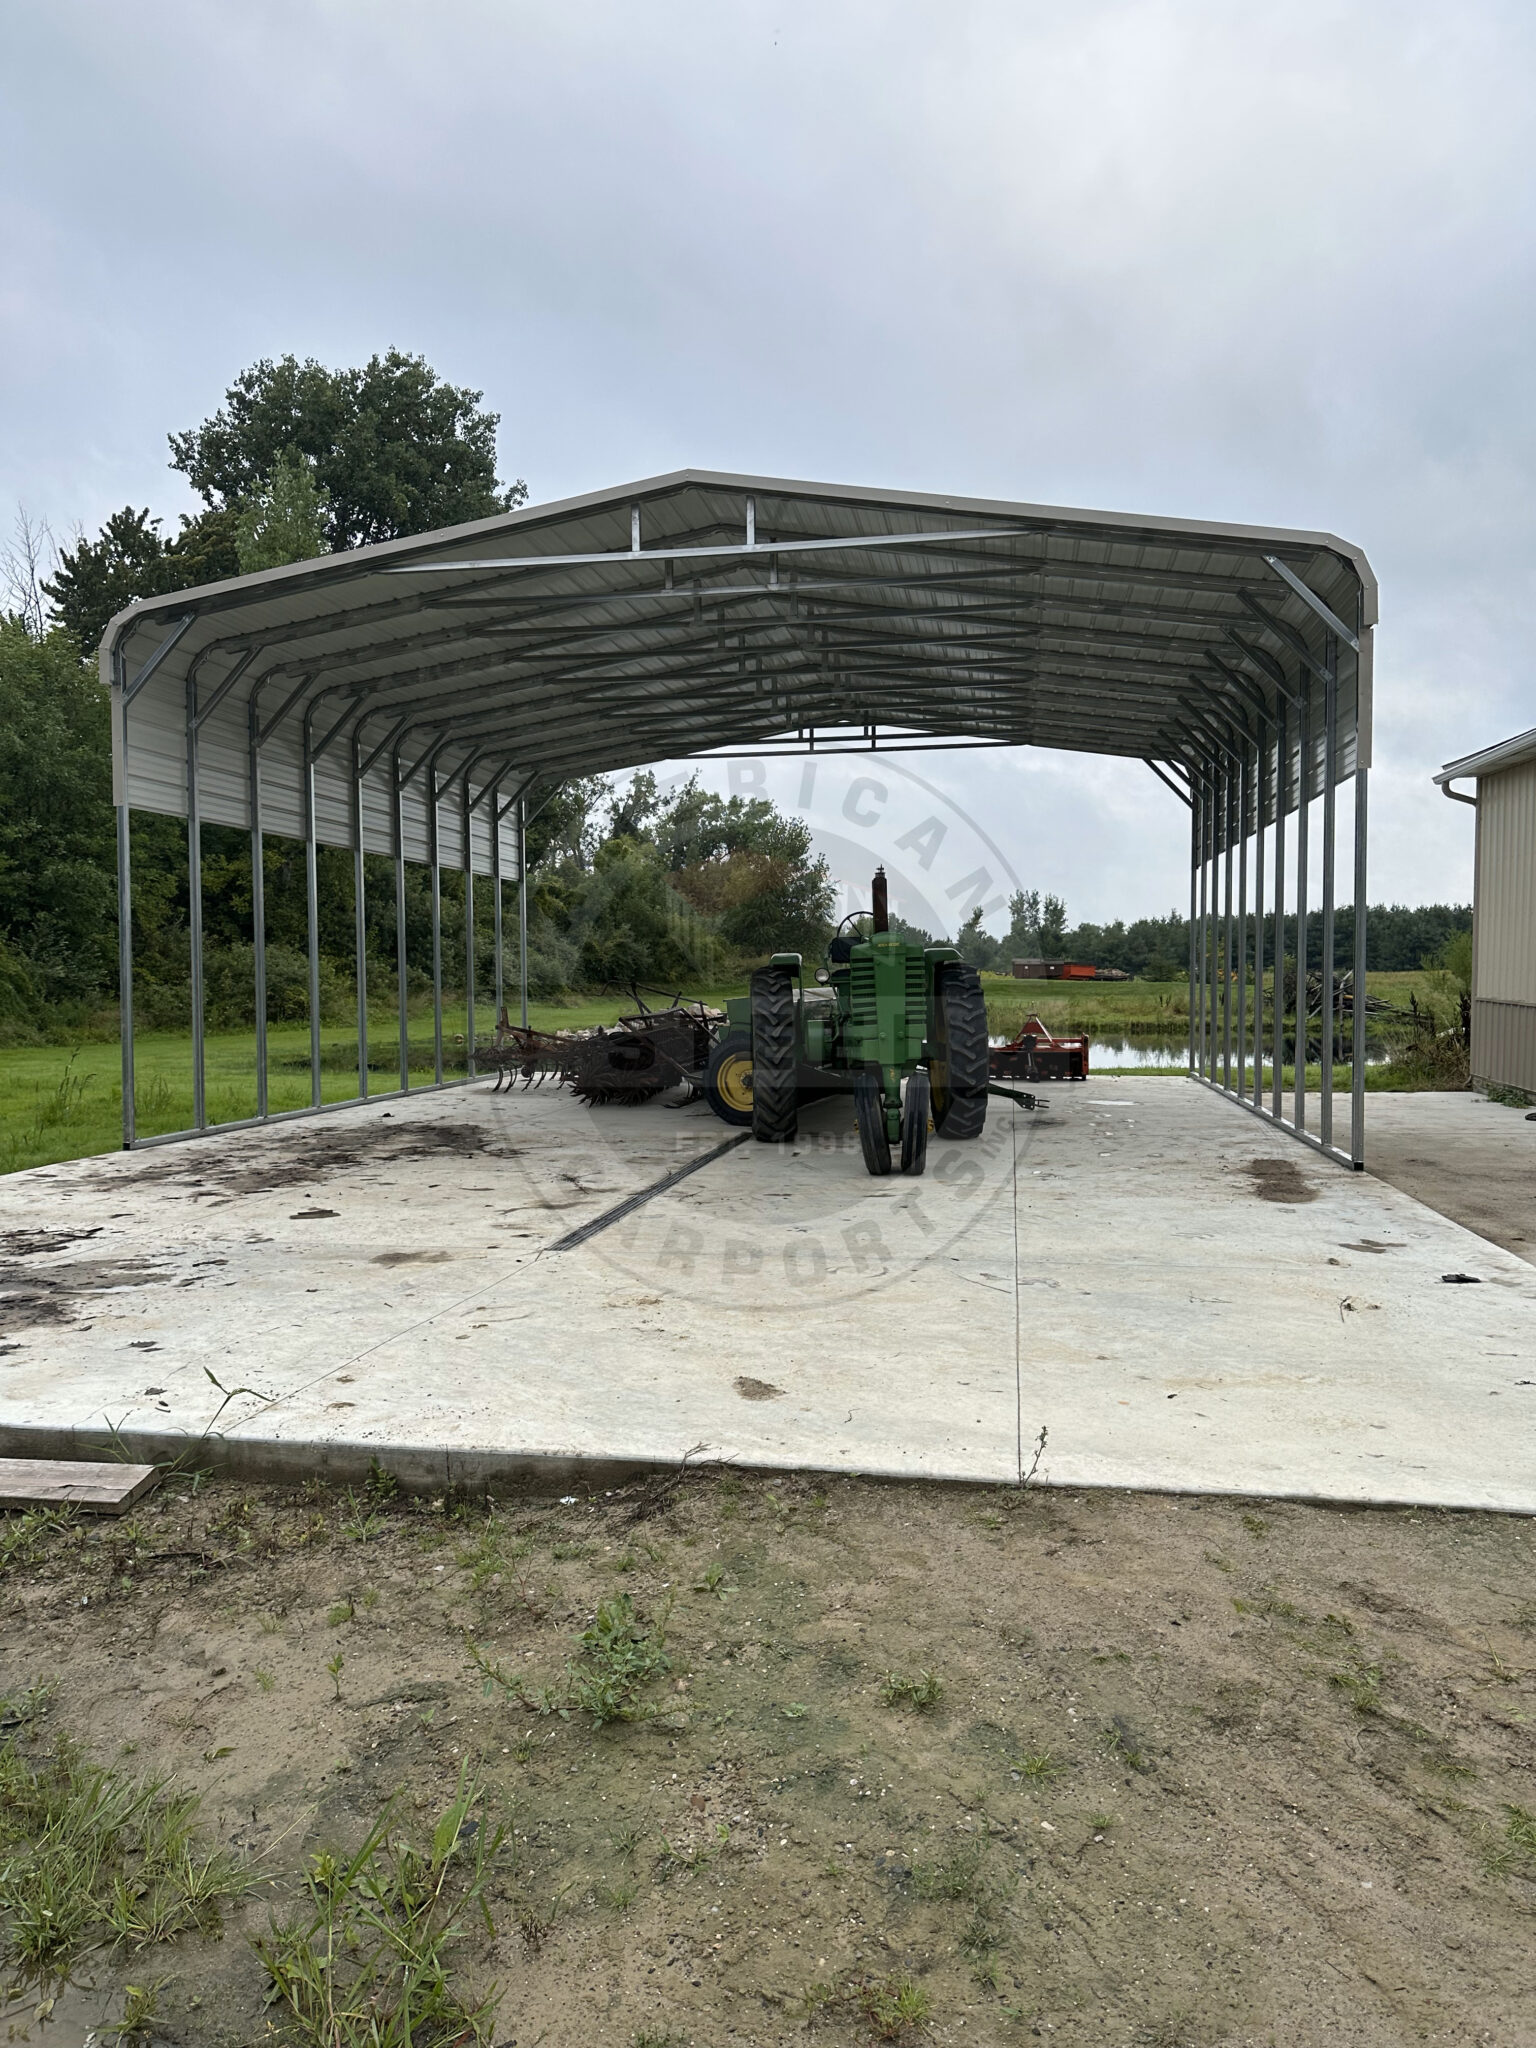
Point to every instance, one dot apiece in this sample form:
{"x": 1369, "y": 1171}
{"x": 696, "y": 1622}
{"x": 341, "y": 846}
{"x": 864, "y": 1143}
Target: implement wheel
{"x": 914, "y": 1123}
{"x": 958, "y": 1070}
{"x": 869, "y": 1114}
{"x": 774, "y": 1057}
{"x": 728, "y": 1080}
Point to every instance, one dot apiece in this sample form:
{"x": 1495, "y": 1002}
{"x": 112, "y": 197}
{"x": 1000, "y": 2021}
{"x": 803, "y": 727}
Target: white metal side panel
{"x": 1506, "y": 886}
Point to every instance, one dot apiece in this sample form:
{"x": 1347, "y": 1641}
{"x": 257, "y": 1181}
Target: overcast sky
{"x": 1202, "y": 257}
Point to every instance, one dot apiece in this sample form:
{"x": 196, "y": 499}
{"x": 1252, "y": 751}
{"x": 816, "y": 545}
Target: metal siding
{"x": 1504, "y": 1045}
{"x": 1505, "y": 970}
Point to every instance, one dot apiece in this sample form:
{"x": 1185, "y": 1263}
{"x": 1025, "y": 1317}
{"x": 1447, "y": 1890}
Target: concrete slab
{"x": 1182, "y": 1298}
{"x": 1470, "y": 1158}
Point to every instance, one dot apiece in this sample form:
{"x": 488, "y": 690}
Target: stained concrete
{"x": 1178, "y": 1296}
{"x": 1470, "y": 1158}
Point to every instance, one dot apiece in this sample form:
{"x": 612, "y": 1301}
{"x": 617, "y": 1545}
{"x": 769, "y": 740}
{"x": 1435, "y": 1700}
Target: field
{"x": 64, "y": 1102}
{"x": 756, "y": 1760}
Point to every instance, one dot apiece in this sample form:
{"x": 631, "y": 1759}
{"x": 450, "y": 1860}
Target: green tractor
{"x": 902, "y": 1027}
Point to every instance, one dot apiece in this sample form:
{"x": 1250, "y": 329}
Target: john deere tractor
{"x": 901, "y": 1027}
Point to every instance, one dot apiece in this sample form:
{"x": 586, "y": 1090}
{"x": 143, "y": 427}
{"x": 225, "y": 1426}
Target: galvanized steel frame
{"x": 700, "y": 615}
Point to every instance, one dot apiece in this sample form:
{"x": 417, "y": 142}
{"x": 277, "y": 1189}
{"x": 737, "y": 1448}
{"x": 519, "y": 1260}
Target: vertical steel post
{"x": 1303, "y": 918}
{"x": 124, "y": 909}
{"x": 1205, "y": 916}
{"x": 402, "y": 962}
{"x": 1226, "y": 926}
{"x": 312, "y": 907}
{"x": 469, "y": 927}
{"x": 1327, "y": 1018}
{"x": 522, "y": 905}
{"x": 437, "y": 923}
{"x": 1282, "y": 776}
{"x": 1243, "y": 779}
{"x": 195, "y": 911}
{"x": 1262, "y": 778}
{"x": 258, "y": 894}
{"x": 1357, "y": 1045}
{"x": 360, "y": 912}
{"x": 1194, "y": 886}
{"x": 496, "y": 911}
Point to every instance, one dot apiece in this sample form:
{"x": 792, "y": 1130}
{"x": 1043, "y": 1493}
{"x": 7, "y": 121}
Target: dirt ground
{"x": 1095, "y": 1769}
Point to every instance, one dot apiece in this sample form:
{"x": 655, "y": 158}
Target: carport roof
{"x": 701, "y": 612}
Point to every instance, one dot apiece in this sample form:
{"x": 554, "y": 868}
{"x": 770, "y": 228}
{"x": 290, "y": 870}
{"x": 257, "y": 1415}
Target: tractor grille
{"x": 861, "y": 994}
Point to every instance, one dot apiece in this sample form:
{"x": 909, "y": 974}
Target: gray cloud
{"x": 1163, "y": 255}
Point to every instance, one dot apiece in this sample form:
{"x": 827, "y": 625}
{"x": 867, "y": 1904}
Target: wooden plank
{"x": 103, "y": 1489}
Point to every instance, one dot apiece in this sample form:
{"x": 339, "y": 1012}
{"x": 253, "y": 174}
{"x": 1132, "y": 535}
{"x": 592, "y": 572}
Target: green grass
{"x": 89, "y": 1857}
{"x": 58, "y": 1102}
{"x": 61, "y": 1102}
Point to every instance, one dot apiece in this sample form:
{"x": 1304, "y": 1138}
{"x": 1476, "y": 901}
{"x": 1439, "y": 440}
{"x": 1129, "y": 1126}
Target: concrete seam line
{"x": 620, "y": 1210}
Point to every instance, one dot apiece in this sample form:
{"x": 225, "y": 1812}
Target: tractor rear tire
{"x": 869, "y": 1114}
{"x": 959, "y": 1069}
{"x": 728, "y": 1080}
{"x": 775, "y": 1057}
{"x": 914, "y": 1123}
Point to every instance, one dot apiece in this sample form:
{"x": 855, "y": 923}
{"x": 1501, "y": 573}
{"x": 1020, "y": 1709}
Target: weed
{"x": 987, "y": 1974}
{"x": 24, "y": 1537}
{"x": 957, "y": 1877}
{"x": 335, "y": 1666}
{"x": 562, "y": 1552}
{"x": 795, "y": 1711}
{"x": 624, "y": 1842}
{"x": 1101, "y": 1823}
{"x": 1120, "y": 1741}
{"x": 1221, "y": 1563}
{"x": 921, "y": 1693}
{"x": 264, "y": 1680}
{"x": 365, "y": 1962}
{"x": 1255, "y": 1525}
{"x": 647, "y": 2037}
{"x": 1360, "y": 1684}
{"x": 141, "y": 2008}
{"x": 370, "y": 1598}
{"x": 380, "y": 1485}
{"x": 271, "y": 1625}
{"x": 360, "y": 1521}
{"x": 343, "y": 1610}
{"x": 89, "y": 1856}
{"x": 894, "y": 2008}
{"x": 713, "y": 1581}
{"x": 626, "y": 1563}
{"x": 618, "y": 1656}
{"x": 1039, "y": 1766}
{"x": 618, "y": 1898}
{"x": 1520, "y": 1828}
{"x": 21, "y": 1709}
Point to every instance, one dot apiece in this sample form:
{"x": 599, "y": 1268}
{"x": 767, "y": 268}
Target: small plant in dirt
{"x": 1256, "y": 1525}
{"x": 1360, "y": 1684}
{"x": 24, "y": 1538}
{"x": 141, "y": 2009}
{"x": 922, "y": 1693}
{"x": 365, "y": 1962}
{"x": 1120, "y": 1742}
{"x": 894, "y": 2008}
{"x": 361, "y": 1520}
{"x": 1038, "y": 1766}
{"x": 712, "y": 1580}
{"x": 91, "y": 1857}
{"x": 335, "y": 1666}
{"x": 618, "y": 1657}
{"x": 381, "y": 1486}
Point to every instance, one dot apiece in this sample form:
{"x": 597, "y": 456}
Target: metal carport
{"x": 409, "y": 699}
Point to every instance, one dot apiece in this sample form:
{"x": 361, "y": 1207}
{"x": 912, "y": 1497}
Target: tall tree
{"x": 285, "y": 520}
{"x": 130, "y": 558}
{"x": 395, "y": 450}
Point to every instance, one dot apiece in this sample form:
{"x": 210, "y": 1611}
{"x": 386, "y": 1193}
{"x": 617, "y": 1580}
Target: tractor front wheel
{"x": 869, "y": 1115}
{"x": 959, "y": 1066}
{"x": 728, "y": 1080}
{"x": 914, "y": 1123}
{"x": 774, "y": 1057}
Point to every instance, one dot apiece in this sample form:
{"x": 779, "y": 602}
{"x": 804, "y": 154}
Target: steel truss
{"x": 427, "y": 692}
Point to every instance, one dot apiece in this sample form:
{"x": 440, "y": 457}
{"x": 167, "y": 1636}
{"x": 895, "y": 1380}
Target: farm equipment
{"x": 900, "y": 1026}
{"x": 644, "y": 1054}
{"x": 1035, "y": 1055}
